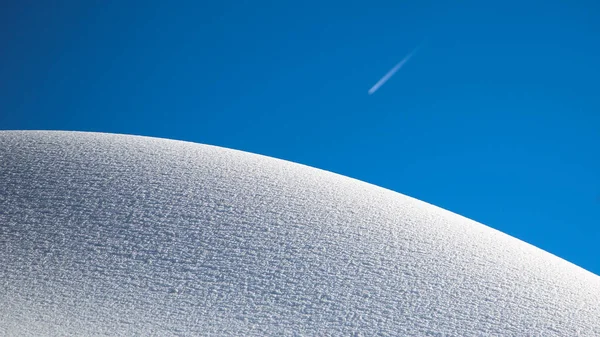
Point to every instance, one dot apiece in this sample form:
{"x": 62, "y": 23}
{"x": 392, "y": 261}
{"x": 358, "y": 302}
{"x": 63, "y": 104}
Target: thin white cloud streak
{"x": 392, "y": 71}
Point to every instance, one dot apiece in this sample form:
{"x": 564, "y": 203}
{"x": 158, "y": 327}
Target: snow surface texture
{"x": 106, "y": 234}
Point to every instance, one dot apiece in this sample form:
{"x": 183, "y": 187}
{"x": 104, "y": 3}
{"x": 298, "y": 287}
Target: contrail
{"x": 391, "y": 73}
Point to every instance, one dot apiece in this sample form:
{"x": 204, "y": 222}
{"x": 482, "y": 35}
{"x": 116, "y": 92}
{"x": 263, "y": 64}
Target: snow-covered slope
{"x": 120, "y": 235}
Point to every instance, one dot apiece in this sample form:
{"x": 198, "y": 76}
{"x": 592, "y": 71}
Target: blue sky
{"x": 497, "y": 117}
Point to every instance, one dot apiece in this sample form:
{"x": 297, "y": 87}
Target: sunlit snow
{"x": 105, "y": 234}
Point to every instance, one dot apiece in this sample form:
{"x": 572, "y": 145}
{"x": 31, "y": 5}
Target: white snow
{"x": 105, "y": 234}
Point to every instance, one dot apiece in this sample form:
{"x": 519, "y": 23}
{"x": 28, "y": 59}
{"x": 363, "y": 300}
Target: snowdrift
{"x": 104, "y": 234}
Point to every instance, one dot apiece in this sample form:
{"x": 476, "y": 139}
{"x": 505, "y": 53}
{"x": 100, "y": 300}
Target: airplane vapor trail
{"x": 392, "y": 71}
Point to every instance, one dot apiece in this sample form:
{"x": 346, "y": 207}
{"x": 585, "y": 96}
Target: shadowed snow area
{"x": 105, "y": 234}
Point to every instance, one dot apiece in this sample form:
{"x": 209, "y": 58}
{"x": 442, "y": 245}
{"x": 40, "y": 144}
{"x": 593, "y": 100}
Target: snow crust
{"x": 104, "y": 234}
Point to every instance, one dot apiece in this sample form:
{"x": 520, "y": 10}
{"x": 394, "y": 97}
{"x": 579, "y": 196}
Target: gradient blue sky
{"x": 497, "y": 117}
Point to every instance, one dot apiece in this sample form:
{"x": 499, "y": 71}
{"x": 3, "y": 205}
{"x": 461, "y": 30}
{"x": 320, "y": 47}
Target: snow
{"x": 104, "y": 234}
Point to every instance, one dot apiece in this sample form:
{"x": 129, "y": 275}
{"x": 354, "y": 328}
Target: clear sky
{"x": 496, "y": 117}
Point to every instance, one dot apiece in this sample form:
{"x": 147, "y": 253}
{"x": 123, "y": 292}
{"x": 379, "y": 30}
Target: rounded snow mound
{"x": 105, "y": 234}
